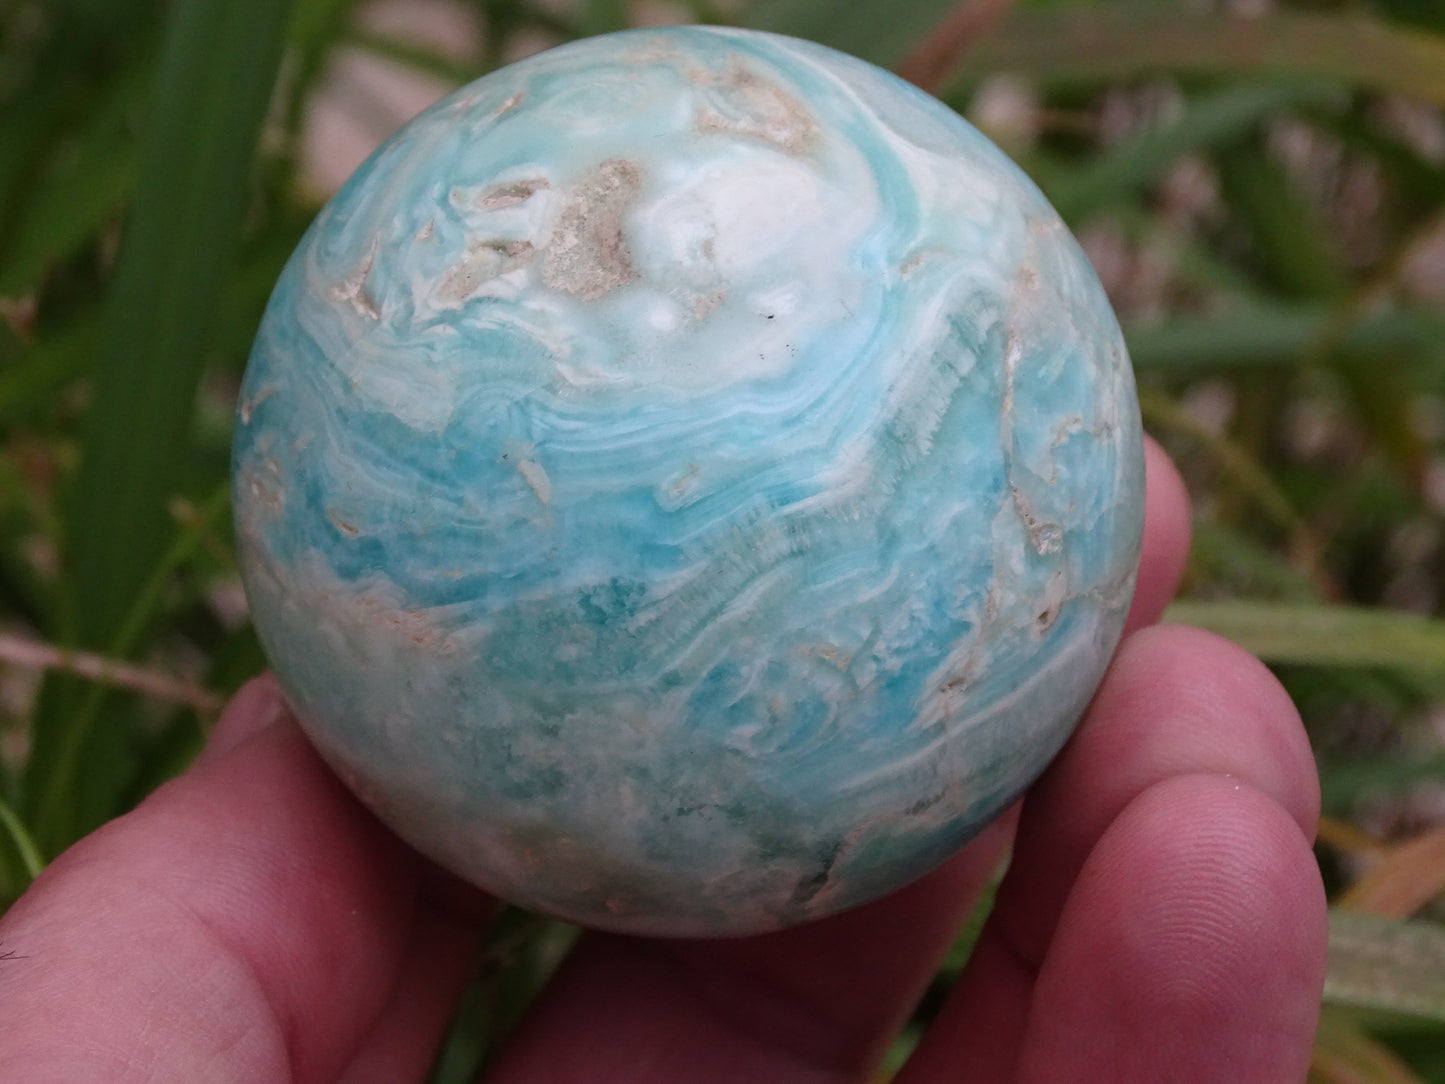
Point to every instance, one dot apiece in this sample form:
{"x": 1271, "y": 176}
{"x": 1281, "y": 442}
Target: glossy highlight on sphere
{"x": 688, "y": 482}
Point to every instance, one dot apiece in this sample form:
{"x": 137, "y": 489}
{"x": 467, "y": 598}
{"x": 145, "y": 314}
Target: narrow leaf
{"x": 1344, "y": 836}
{"x": 1403, "y": 880}
{"x": 21, "y": 841}
{"x": 1275, "y": 335}
{"x": 1297, "y": 253}
{"x": 217, "y": 71}
{"x": 1111, "y": 42}
{"x": 1320, "y": 635}
{"x": 1385, "y": 965}
{"x": 214, "y": 84}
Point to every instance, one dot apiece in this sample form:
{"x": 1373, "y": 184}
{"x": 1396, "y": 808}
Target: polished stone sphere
{"x": 688, "y": 482}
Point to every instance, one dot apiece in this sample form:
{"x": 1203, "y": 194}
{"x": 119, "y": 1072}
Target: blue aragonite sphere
{"x": 688, "y": 482}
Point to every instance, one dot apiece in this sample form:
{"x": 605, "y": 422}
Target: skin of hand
{"x": 1162, "y": 919}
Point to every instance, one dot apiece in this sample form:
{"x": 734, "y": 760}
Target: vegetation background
{"x": 1260, "y": 183}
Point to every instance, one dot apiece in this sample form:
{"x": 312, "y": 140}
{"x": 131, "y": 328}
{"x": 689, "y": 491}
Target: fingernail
{"x": 257, "y": 706}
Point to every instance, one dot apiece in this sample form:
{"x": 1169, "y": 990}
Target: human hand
{"x": 1162, "y": 919}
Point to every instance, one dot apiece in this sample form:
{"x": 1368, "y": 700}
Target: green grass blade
{"x": 217, "y": 72}
{"x": 1111, "y": 42}
{"x": 1297, "y": 256}
{"x": 31, "y": 862}
{"x": 1386, "y": 966}
{"x": 1319, "y": 635}
{"x": 213, "y": 88}
{"x": 1274, "y": 335}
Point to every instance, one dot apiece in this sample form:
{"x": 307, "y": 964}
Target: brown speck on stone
{"x": 510, "y": 104}
{"x": 703, "y": 305}
{"x": 1045, "y": 537}
{"x": 511, "y": 193}
{"x": 350, "y": 530}
{"x": 248, "y": 406}
{"x": 353, "y": 287}
{"x": 587, "y": 255}
{"x": 917, "y": 260}
{"x": 484, "y": 261}
{"x": 749, "y": 105}
{"x": 262, "y": 489}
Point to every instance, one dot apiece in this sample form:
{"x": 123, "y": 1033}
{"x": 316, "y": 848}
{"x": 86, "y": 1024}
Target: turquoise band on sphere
{"x": 688, "y": 482}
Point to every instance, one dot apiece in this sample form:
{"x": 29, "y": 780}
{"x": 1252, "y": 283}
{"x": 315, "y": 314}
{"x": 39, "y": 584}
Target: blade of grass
{"x": 523, "y": 952}
{"x": 1381, "y": 394}
{"x": 214, "y": 83}
{"x": 217, "y": 71}
{"x": 31, "y": 382}
{"x": 25, "y": 849}
{"x": 56, "y": 84}
{"x": 1201, "y": 268}
{"x": 1347, "y": 837}
{"x": 1318, "y": 635}
{"x": 317, "y": 23}
{"x": 1295, "y": 252}
{"x": 1402, "y": 880}
{"x": 26, "y": 122}
{"x": 1386, "y": 965}
{"x": 1115, "y": 42}
{"x": 1274, "y": 335}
